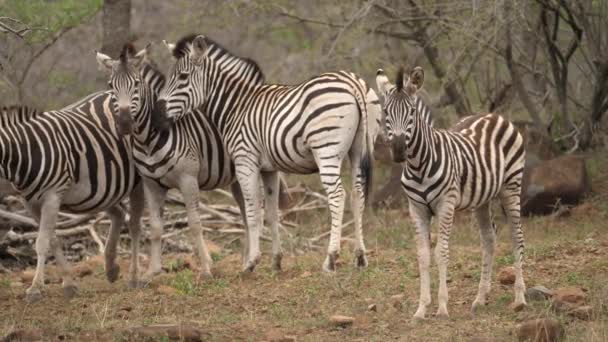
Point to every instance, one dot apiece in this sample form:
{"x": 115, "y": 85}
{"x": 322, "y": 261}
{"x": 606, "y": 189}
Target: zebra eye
{"x": 109, "y": 84}
{"x": 183, "y": 75}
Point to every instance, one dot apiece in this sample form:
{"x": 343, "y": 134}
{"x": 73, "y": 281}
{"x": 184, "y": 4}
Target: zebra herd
{"x": 215, "y": 122}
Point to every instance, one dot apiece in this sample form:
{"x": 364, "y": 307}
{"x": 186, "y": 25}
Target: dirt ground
{"x": 570, "y": 251}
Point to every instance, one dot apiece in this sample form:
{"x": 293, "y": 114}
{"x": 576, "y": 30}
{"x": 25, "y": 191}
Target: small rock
{"x": 584, "y": 312}
{"x": 172, "y": 331}
{"x": 397, "y": 301}
{"x": 166, "y": 290}
{"x": 27, "y": 276}
{"x": 306, "y": 274}
{"x": 506, "y": 276}
{"x": 77, "y": 246}
{"x": 24, "y": 335}
{"x": 276, "y": 335}
{"x": 341, "y": 321}
{"x": 573, "y": 295}
{"x": 16, "y": 284}
{"x": 372, "y": 307}
{"x": 539, "y": 330}
{"x": 82, "y": 270}
{"x": 212, "y": 247}
{"x": 538, "y": 293}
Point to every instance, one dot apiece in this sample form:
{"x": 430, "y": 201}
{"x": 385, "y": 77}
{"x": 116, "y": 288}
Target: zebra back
{"x": 17, "y": 114}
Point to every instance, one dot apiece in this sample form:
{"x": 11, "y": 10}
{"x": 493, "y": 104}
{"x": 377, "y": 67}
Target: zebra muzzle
{"x": 398, "y": 148}
{"x": 124, "y": 122}
{"x": 160, "y": 121}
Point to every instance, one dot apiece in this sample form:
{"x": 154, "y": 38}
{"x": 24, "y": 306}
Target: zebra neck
{"x": 149, "y": 89}
{"x": 10, "y": 152}
{"x": 421, "y": 147}
{"x": 226, "y": 93}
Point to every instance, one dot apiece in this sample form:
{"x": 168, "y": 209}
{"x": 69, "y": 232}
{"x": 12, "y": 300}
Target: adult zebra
{"x": 479, "y": 159}
{"x": 189, "y": 155}
{"x": 73, "y": 160}
{"x": 300, "y": 129}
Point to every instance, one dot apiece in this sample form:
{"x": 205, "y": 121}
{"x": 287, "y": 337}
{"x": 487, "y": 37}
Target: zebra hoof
{"x": 360, "y": 259}
{"x": 33, "y": 296}
{"x": 69, "y": 291}
{"x": 329, "y": 266}
{"x": 137, "y": 284}
{"x": 112, "y": 272}
{"x": 276, "y": 262}
{"x": 204, "y": 276}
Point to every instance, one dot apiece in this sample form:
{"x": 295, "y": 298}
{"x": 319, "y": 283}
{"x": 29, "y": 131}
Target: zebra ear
{"x": 104, "y": 61}
{"x": 170, "y": 47}
{"x": 382, "y": 82}
{"x": 199, "y": 49}
{"x": 141, "y": 57}
{"x": 415, "y": 80}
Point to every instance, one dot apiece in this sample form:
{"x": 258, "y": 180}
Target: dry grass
{"x": 570, "y": 251}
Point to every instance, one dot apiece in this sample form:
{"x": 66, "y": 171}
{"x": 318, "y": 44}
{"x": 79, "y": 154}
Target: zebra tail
{"x": 366, "y": 164}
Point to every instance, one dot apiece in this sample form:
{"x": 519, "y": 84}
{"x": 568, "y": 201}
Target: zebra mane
{"x": 17, "y": 114}
{"x": 399, "y": 79}
{"x": 128, "y": 50}
{"x": 216, "y": 52}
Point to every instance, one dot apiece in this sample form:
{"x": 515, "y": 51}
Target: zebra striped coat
{"x": 302, "y": 129}
{"x": 189, "y": 155}
{"x": 73, "y": 160}
{"x": 479, "y": 159}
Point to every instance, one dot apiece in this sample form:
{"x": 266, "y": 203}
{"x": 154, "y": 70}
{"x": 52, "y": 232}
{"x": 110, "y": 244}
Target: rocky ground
{"x": 566, "y": 272}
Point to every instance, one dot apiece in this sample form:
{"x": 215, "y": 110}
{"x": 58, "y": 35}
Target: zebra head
{"x": 186, "y": 88}
{"x": 399, "y": 108}
{"x": 125, "y": 84}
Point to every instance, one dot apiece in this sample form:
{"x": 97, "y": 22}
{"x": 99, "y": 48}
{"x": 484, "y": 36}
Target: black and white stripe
{"x": 72, "y": 160}
{"x": 189, "y": 155}
{"x": 480, "y": 158}
{"x": 303, "y": 129}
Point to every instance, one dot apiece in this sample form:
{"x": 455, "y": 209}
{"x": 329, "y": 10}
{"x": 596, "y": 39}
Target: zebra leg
{"x": 422, "y": 220}
{"x": 68, "y": 284}
{"x": 330, "y": 178}
{"x": 248, "y": 176}
{"x": 442, "y": 252}
{"x": 136, "y": 209}
{"x": 357, "y": 203}
{"x": 238, "y": 197}
{"x": 48, "y": 219}
{"x": 271, "y": 186}
{"x": 155, "y": 197}
{"x": 488, "y": 242}
{"x": 190, "y": 191}
{"x": 510, "y": 199}
{"x": 117, "y": 219}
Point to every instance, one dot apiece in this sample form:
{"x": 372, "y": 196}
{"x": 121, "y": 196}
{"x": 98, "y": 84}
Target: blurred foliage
{"x": 50, "y": 15}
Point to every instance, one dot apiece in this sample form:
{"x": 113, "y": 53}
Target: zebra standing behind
{"x": 73, "y": 160}
{"x": 189, "y": 155}
{"x": 302, "y": 129}
{"x": 479, "y": 159}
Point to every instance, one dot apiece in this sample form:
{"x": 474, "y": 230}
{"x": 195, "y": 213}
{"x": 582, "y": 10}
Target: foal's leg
{"x": 488, "y": 241}
{"x": 329, "y": 171}
{"x": 238, "y": 197}
{"x": 510, "y": 199}
{"x": 248, "y": 175}
{"x": 422, "y": 220}
{"x": 271, "y": 185}
{"x": 155, "y": 197}
{"x": 136, "y": 209}
{"x": 48, "y": 218}
{"x": 117, "y": 219}
{"x": 190, "y": 191}
{"x": 442, "y": 251}
{"x": 357, "y": 203}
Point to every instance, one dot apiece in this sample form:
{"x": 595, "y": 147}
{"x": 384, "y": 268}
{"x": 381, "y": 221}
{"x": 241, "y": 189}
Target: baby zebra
{"x": 189, "y": 155}
{"x": 73, "y": 160}
{"x": 479, "y": 159}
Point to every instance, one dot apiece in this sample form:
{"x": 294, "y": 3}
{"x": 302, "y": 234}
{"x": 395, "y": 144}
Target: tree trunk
{"x": 116, "y": 26}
